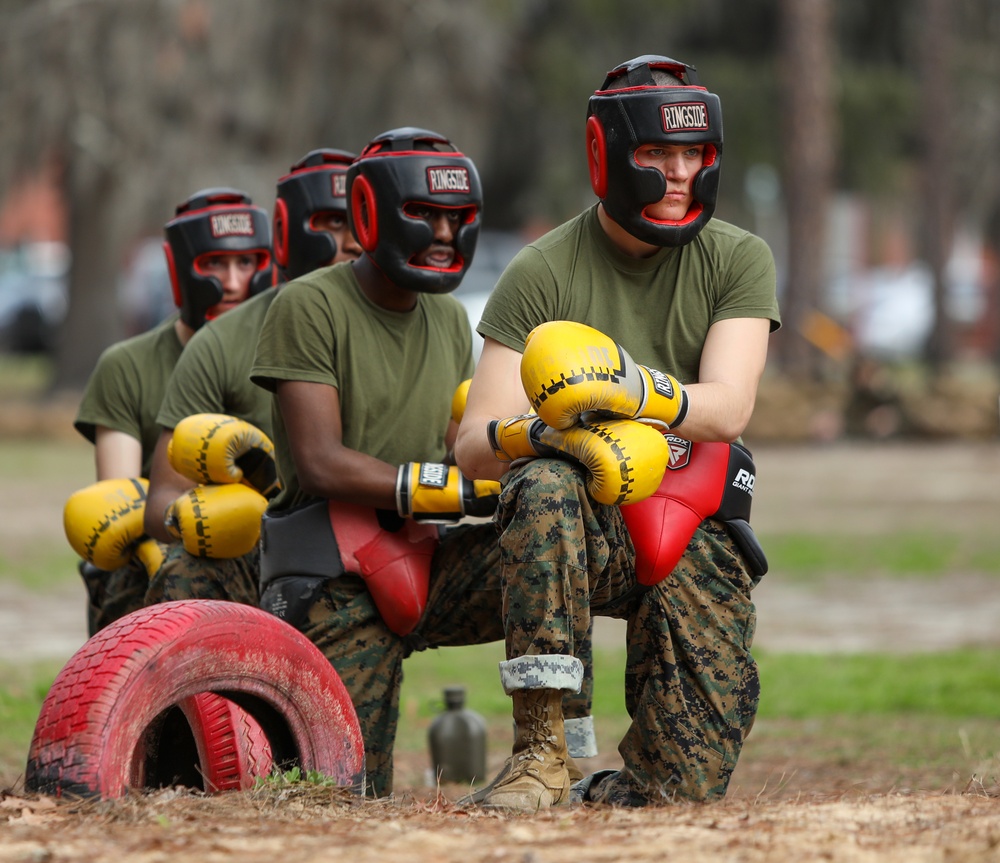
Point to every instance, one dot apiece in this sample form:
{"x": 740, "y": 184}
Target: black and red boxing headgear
{"x": 413, "y": 166}
{"x": 317, "y": 183}
{"x": 644, "y": 112}
{"x": 219, "y": 221}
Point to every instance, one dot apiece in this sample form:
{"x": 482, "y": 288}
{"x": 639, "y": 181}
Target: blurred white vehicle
{"x": 494, "y": 251}
{"x": 34, "y": 296}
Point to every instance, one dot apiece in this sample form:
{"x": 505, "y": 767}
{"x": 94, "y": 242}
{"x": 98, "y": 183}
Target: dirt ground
{"x": 897, "y": 827}
{"x": 792, "y": 798}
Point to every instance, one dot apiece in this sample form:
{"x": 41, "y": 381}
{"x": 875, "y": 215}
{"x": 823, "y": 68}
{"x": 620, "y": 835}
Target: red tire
{"x": 116, "y": 717}
{"x": 232, "y": 748}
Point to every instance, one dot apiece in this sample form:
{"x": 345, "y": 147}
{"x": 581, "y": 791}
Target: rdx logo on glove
{"x": 662, "y": 383}
{"x": 744, "y": 481}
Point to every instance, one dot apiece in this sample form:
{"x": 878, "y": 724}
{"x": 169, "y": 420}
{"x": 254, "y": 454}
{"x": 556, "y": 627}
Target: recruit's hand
{"x": 427, "y": 491}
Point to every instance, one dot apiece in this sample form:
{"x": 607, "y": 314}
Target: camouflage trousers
{"x": 691, "y": 684}
{"x": 111, "y": 595}
{"x": 185, "y": 576}
{"x": 463, "y": 608}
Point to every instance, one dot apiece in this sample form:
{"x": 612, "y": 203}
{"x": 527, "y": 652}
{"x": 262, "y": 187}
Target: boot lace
{"x": 538, "y": 741}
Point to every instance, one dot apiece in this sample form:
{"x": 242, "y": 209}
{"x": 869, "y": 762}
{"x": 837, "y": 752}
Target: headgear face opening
{"x": 317, "y": 183}
{"x": 644, "y": 112}
{"x": 214, "y": 221}
{"x": 398, "y": 169}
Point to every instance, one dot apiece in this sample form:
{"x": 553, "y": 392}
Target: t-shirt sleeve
{"x": 195, "y": 385}
{"x": 518, "y": 302}
{"x": 297, "y": 341}
{"x": 749, "y": 290}
{"x": 110, "y": 397}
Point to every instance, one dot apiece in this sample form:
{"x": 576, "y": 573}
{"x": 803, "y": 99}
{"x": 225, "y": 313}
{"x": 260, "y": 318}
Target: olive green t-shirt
{"x": 213, "y": 373}
{"x": 395, "y": 372}
{"x": 658, "y": 308}
{"x": 126, "y": 388}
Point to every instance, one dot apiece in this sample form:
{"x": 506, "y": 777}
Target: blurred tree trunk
{"x": 809, "y": 134}
{"x": 88, "y": 144}
{"x": 937, "y": 211}
{"x": 93, "y": 320}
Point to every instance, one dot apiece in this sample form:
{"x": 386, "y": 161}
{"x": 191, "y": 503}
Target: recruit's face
{"x": 234, "y": 272}
{"x": 334, "y": 223}
{"x": 679, "y": 164}
{"x": 444, "y": 222}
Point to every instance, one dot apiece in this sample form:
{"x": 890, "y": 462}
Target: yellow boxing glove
{"x": 103, "y": 522}
{"x": 218, "y": 521}
{"x": 427, "y": 491}
{"x": 625, "y": 459}
{"x": 459, "y": 399}
{"x": 149, "y": 552}
{"x": 216, "y": 448}
{"x": 569, "y": 369}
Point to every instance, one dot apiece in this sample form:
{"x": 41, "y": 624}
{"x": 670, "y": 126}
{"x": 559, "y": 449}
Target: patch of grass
{"x": 955, "y": 683}
{"x": 900, "y": 554}
{"x": 25, "y": 374}
{"x": 958, "y": 683}
{"x": 950, "y": 685}
{"x": 22, "y": 690}
{"x": 45, "y": 460}
{"x": 38, "y": 476}
{"x": 284, "y": 779}
{"x": 55, "y": 566}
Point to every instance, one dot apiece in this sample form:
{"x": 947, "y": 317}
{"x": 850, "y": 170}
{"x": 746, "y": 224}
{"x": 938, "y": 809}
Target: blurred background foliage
{"x": 860, "y": 137}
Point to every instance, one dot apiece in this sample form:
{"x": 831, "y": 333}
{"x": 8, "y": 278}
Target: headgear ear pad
{"x": 280, "y": 230}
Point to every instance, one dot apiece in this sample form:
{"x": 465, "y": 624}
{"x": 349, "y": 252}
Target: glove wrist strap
{"x": 404, "y": 501}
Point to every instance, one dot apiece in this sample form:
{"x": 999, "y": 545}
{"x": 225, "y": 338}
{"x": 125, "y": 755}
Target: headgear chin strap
{"x": 214, "y": 221}
{"x": 644, "y": 112}
{"x": 317, "y": 183}
{"x": 413, "y": 166}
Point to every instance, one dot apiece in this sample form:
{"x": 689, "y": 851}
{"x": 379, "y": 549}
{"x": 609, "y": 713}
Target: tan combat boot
{"x": 478, "y": 797}
{"x": 537, "y": 777}
{"x": 581, "y": 742}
